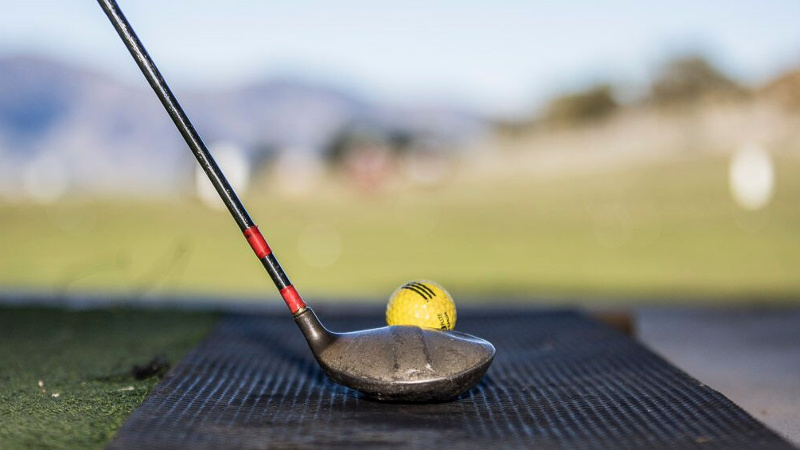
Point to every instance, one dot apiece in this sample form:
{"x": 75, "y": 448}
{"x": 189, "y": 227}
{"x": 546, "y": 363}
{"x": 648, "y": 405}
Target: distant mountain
{"x": 106, "y": 134}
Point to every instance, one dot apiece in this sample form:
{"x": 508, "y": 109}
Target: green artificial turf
{"x": 83, "y": 360}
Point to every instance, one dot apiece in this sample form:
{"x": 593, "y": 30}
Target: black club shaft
{"x": 204, "y": 158}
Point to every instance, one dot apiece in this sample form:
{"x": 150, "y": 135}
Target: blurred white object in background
{"x": 236, "y": 167}
{"x": 46, "y": 178}
{"x": 751, "y": 177}
{"x": 427, "y": 168}
{"x": 297, "y": 171}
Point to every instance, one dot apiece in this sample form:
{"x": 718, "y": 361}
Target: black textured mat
{"x": 560, "y": 380}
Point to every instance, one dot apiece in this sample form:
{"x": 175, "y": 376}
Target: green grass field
{"x": 83, "y": 360}
{"x": 668, "y": 230}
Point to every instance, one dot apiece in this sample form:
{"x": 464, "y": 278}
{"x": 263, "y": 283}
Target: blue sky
{"x": 502, "y": 57}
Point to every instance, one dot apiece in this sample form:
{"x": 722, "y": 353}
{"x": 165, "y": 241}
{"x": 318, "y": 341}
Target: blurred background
{"x": 595, "y": 152}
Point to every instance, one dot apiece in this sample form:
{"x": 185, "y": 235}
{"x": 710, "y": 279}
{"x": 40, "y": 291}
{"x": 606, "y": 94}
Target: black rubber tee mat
{"x": 560, "y": 381}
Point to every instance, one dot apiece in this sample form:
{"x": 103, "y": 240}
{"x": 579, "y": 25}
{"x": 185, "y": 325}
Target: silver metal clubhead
{"x": 399, "y": 363}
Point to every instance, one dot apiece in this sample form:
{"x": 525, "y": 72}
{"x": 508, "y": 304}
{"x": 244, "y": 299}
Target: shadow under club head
{"x": 399, "y": 363}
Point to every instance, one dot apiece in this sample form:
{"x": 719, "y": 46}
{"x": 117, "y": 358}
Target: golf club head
{"x": 399, "y": 363}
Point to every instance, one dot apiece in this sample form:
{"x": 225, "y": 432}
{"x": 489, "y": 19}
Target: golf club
{"x": 395, "y": 363}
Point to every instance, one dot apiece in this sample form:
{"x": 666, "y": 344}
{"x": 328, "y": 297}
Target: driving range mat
{"x": 559, "y": 380}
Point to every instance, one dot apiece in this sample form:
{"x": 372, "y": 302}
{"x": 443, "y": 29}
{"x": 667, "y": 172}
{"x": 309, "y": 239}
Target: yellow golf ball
{"x": 422, "y": 303}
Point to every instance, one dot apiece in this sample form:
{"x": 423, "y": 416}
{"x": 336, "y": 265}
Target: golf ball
{"x": 422, "y": 303}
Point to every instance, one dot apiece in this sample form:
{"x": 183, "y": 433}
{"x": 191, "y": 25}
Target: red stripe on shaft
{"x": 292, "y": 299}
{"x": 257, "y": 242}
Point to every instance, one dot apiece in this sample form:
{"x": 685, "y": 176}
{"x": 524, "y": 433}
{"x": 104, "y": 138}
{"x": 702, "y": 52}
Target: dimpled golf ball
{"x": 422, "y": 303}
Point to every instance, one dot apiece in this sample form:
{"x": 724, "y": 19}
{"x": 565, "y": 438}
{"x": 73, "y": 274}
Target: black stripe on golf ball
{"x": 425, "y": 288}
{"x": 420, "y": 292}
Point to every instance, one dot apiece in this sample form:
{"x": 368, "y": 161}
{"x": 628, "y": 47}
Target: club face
{"x": 402, "y": 363}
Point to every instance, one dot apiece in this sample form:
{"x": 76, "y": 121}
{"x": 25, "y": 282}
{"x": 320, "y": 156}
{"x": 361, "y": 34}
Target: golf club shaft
{"x": 204, "y": 158}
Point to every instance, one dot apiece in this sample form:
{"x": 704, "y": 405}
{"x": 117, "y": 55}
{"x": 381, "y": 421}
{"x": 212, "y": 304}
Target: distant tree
{"x": 688, "y": 79}
{"x": 585, "y": 106}
{"x": 348, "y": 139}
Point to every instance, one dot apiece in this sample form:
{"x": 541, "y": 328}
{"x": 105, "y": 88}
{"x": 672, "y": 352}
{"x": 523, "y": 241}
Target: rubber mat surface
{"x": 559, "y": 381}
